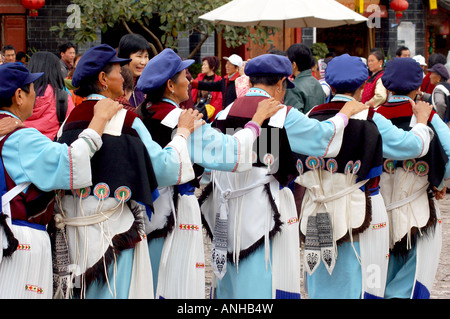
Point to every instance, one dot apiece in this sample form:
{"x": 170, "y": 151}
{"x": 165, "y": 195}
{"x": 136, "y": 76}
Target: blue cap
{"x": 270, "y": 65}
{"x": 93, "y": 61}
{"x": 346, "y": 73}
{"x": 160, "y": 69}
{"x": 440, "y": 69}
{"x": 13, "y": 76}
{"x": 402, "y": 75}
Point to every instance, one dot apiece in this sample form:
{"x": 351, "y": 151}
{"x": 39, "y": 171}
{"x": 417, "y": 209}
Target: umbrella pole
{"x": 284, "y": 35}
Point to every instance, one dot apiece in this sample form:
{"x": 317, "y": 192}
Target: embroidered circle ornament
{"x": 123, "y": 193}
{"x": 421, "y": 168}
{"x": 101, "y": 191}
{"x": 83, "y": 192}
{"x": 269, "y": 159}
{"x": 332, "y": 165}
{"x": 389, "y": 166}
{"x": 349, "y": 167}
{"x": 356, "y": 166}
{"x": 300, "y": 167}
{"x": 409, "y": 165}
{"x": 312, "y": 162}
{"x": 254, "y": 157}
{"x": 322, "y": 163}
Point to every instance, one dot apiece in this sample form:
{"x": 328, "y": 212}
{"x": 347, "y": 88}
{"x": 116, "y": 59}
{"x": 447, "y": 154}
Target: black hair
{"x": 65, "y": 46}
{"x": 9, "y": 47}
{"x": 20, "y": 55}
{"x": 436, "y": 58}
{"x": 277, "y": 52}
{"x": 132, "y": 43}
{"x": 378, "y": 54}
{"x": 400, "y": 49}
{"x": 300, "y": 54}
{"x": 267, "y": 80}
{"x": 8, "y": 102}
{"x": 89, "y": 84}
{"x": 49, "y": 64}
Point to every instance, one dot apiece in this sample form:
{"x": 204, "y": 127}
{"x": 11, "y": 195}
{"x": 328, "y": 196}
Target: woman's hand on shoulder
{"x": 107, "y": 108}
{"x": 9, "y": 124}
{"x": 189, "y": 121}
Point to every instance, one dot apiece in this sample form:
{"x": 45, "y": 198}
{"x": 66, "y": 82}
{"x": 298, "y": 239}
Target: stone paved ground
{"x": 441, "y": 288}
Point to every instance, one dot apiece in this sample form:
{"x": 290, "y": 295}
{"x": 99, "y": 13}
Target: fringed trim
{"x": 246, "y": 252}
{"x": 120, "y": 242}
{"x": 400, "y": 247}
{"x": 276, "y": 229}
{"x": 201, "y": 199}
{"x": 170, "y": 220}
{"x": 13, "y": 243}
{"x": 366, "y": 222}
{"x": 360, "y": 229}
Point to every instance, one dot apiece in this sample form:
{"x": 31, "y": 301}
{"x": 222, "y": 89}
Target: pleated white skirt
{"x": 27, "y": 274}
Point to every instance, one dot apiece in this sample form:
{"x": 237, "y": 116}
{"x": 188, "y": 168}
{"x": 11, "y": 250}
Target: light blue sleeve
{"x": 443, "y": 133}
{"x": 30, "y": 156}
{"x": 397, "y": 143}
{"x": 211, "y": 149}
{"x": 165, "y": 161}
{"x": 309, "y": 136}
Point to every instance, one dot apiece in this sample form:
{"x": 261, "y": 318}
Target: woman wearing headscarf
{"x": 104, "y": 224}
{"x": 53, "y": 102}
{"x": 32, "y": 167}
{"x": 410, "y": 188}
{"x": 175, "y": 232}
{"x": 374, "y": 92}
{"x": 344, "y": 223}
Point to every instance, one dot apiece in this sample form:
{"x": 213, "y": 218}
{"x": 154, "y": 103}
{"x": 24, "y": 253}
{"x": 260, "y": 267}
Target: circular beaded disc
{"x": 312, "y": 162}
{"x": 421, "y": 168}
{"x": 83, "y": 192}
{"x": 332, "y": 165}
{"x": 123, "y": 193}
{"x": 101, "y": 191}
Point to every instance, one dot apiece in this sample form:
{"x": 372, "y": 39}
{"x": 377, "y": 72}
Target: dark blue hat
{"x": 93, "y": 61}
{"x": 270, "y": 65}
{"x": 13, "y": 76}
{"x": 346, "y": 73}
{"x": 440, "y": 69}
{"x": 402, "y": 75}
{"x": 160, "y": 69}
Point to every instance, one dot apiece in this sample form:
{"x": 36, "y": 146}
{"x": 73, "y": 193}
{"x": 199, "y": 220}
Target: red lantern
{"x": 399, "y": 6}
{"x": 33, "y": 6}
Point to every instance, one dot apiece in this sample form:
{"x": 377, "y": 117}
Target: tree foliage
{"x": 175, "y": 16}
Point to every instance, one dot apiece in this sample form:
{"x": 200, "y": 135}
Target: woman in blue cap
{"x": 177, "y": 221}
{"x": 255, "y": 239}
{"x": 344, "y": 220}
{"x": 408, "y": 188}
{"x": 104, "y": 224}
{"x": 32, "y": 167}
